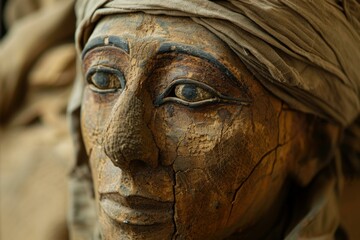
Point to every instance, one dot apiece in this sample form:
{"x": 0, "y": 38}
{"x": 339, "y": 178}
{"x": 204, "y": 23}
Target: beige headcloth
{"x": 306, "y": 52}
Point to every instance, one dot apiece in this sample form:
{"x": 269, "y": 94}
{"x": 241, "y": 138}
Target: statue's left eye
{"x": 191, "y": 93}
{"x": 105, "y": 80}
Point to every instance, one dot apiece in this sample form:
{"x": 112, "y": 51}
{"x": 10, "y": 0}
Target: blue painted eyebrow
{"x": 105, "y": 41}
{"x": 164, "y": 48}
{"x": 196, "y": 52}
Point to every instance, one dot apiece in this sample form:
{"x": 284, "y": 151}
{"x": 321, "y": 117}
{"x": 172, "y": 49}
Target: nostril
{"x": 138, "y": 165}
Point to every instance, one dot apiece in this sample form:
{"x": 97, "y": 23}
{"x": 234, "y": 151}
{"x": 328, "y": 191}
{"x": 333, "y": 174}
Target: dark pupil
{"x": 189, "y": 91}
{"x": 101, "y": 79}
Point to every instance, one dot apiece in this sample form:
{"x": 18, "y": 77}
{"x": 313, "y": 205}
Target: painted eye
{"x": 105, "y": 80}
{"x": 191, "y": 93}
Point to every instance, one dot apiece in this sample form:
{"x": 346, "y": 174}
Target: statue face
{"x": 182, "y": 140}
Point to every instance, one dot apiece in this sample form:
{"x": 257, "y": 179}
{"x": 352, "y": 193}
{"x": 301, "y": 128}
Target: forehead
{"x": 141, "y": 27}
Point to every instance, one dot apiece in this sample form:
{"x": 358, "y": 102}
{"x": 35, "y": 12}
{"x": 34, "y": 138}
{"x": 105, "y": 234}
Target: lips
{"x": 136, "y": 210}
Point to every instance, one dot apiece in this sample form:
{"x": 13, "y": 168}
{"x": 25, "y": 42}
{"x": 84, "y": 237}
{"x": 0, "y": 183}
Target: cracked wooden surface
{"x": 226, "y": 168}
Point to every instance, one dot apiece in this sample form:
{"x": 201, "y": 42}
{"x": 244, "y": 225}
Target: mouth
{"x": 136, "y": 210}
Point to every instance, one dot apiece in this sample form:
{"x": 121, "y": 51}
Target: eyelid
{"x": 106, "y": 69}
{"x": 218, "y": 97}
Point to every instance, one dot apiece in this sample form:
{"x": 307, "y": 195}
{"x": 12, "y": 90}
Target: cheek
{"x": 213, "y": 153}
{"x": 95, "y": 110}
{"x": 191, "y": 143}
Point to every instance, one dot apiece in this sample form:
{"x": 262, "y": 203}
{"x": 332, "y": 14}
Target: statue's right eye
{"x": 105, "y": 80}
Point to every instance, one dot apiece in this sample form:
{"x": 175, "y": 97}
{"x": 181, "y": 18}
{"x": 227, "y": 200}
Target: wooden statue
{"x": 183, "y": 142}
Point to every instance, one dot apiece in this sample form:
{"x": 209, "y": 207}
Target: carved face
{"x": 182, "y": 140}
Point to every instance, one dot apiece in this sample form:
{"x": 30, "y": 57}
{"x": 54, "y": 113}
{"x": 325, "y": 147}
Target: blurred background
{"x": 37, "y": 68}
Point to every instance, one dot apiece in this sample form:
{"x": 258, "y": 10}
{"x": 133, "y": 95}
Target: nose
{"x": 127, "y": 136}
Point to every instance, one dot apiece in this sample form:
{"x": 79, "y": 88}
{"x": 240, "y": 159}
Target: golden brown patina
{"x": 182, "y": 141}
